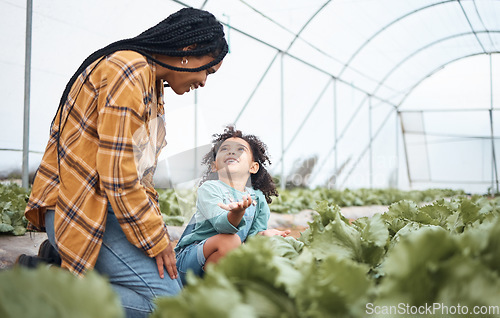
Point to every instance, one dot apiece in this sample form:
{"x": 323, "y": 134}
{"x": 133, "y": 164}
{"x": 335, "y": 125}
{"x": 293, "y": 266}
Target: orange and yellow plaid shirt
{"x": 108, "y": 151}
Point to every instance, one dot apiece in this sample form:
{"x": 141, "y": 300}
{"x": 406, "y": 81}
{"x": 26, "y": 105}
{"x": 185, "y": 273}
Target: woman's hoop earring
{"x": 184, "y": 61}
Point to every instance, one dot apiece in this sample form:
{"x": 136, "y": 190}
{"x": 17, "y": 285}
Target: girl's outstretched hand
{"x": 273, "y": 232}
{"x": 239, "y": 206}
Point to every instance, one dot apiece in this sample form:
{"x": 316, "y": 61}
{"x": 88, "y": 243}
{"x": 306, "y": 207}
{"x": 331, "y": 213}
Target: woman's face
{"x": 183, "y": 82}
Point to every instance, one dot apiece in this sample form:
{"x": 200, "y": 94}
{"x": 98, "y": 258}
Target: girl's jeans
{"x": 132, "y": 274}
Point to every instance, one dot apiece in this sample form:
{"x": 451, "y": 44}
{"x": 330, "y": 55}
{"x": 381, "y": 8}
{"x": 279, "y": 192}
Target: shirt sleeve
{"x": 209, "y": 196}
{"x": 262, "y": 216}
{"x": 121, "y": 114}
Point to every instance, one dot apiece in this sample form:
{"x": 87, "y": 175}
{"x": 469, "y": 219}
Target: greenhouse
{"x": 377, "y": 123}
{"x": 364, "y": 94}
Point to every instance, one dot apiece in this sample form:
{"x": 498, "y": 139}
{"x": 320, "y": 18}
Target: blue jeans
{"x": 191, "y": 257}
{"x": 132, "y": 274}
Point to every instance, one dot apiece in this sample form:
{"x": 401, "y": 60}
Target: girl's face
{"x": 234, "y": 158}
{"x": 183, "y": 82}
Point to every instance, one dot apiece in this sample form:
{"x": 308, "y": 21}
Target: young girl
{"x": 232, "y": 202}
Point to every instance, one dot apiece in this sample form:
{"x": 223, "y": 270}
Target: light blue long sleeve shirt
{"x": 210, "y": 219}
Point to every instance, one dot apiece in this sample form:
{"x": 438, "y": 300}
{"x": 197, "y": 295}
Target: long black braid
{"x": 186, "y": 27}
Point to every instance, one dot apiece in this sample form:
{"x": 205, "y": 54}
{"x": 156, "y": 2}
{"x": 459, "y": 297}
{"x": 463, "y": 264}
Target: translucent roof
{"x": 382, "y": 93}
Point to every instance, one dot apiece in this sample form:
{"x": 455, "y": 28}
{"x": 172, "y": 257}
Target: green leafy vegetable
{"x": 54, "y": 292}
{"x": 13, "y": 200}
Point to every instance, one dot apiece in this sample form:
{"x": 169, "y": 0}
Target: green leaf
{"x": 468, "y": 282}
{"x": 469, "y": 212}
{"x": 337, "y": 238}
{"x": 404, "y": 209}
{"x": 6, "y": 219}
{"x": 454, "y": 223}
{"x": 5, "y": 228}
{"x": 412, "y": 267}
{"x": 215, "y": 296}
{"x": 374, "y": 238}
{"x": 287, "y": 247}
{"x": 438, "y": 214}
{"x": 326, "y": 214}
{"x": 256, "y": 261}
{"x": 54, "y": 292}
{"x": 19, "y": 230}
{"x": 334, "y": 287}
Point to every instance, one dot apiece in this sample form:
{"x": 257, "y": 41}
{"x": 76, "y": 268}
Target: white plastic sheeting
{"x": 382, "y": 92}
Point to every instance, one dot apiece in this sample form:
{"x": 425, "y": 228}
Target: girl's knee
{"x": 231, "y": 241}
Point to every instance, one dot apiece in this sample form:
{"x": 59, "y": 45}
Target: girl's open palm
{"x": 238, "y": 206}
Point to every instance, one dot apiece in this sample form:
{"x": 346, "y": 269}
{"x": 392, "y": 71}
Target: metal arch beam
{"x": 334, "y": 148}
{"x": 306, "y": 24}
{"x": 353, "y": 56}
{"x": 412, "y": 88}
{"x": 482, "y": 22}
{"x": 256, "y": 87}
{"x": 495, "y": 178}
{"x": 272, "y": 62}
{"x": 320, "y": 70}
{"x": 404, "y": 60}
{"x": 373, "y": 137}
{"x": 434, "y": 72}
{"x": 305, "y": 119}
{"x": 470, "y": 25}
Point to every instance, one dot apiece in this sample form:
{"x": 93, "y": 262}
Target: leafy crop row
{"x": 447, "y": 253}
{"x": 13, "y": 200}
{"x": 296, "y": 200}
{"x": 178, "y": 205}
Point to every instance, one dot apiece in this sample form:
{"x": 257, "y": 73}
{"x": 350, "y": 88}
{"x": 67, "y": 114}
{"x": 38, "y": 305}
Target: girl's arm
{"x": 225, "y": 218}
{"x": 236, "y": 210}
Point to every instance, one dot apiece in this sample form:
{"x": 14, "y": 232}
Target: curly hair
{"x": 261, "y": 180}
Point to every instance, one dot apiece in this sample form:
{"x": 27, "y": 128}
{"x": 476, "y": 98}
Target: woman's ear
{"x": 254, "y": 168}
{"x": 189, "y": 47}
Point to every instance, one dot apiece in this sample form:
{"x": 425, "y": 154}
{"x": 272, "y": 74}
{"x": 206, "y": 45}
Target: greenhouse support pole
{"x": 282, "y": 98}
{"x": 406, "y": 149}
{"x": 335, "y": 131}
{"x": 370, "y": 109}
{"x": 492, "y": 132}
{"x": 27, "y": 83}
{"x": 396, "y": 117}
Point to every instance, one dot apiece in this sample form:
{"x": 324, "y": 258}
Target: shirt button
{"x": 120, "y": 190}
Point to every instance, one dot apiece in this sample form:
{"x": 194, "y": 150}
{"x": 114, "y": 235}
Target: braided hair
{"x": 185, "y": 27}
{"x": 261, "y": 180}
{"x": 188, "y": 26}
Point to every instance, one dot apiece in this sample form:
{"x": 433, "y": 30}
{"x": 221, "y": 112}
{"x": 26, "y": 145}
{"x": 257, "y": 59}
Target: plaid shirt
{"x": 108, "y": 151}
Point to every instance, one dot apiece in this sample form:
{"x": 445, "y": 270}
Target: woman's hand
{"x": 273, "y": 232}
{"x": 166, "y": 259}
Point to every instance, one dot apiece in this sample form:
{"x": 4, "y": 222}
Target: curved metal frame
{"x": 414, "y": 53}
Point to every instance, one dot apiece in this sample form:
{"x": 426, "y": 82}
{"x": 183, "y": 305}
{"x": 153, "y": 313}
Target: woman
{"x": 93, "y": 192}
